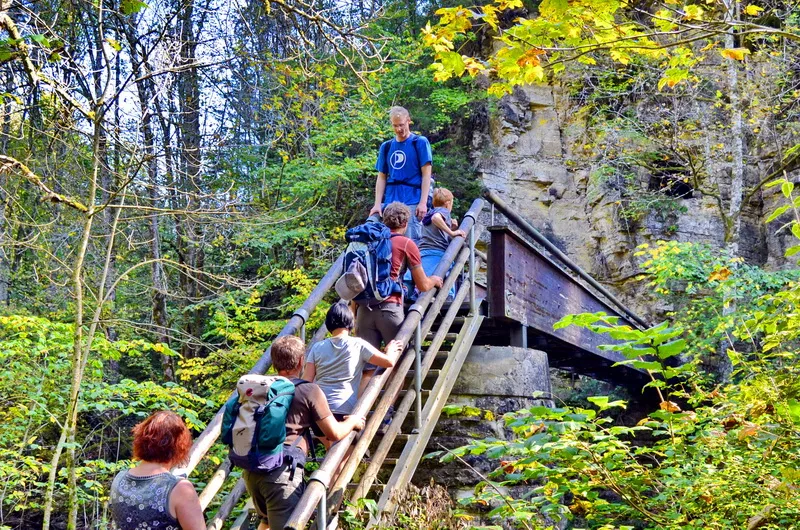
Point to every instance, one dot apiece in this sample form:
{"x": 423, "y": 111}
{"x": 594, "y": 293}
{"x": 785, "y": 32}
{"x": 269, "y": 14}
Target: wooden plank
{"x": 525, "y": 286}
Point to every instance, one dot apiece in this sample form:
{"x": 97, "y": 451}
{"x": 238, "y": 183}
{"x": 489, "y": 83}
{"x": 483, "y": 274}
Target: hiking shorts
{"x": 274, "y": 494}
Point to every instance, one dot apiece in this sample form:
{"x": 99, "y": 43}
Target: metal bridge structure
{"x": 529, "y": 285}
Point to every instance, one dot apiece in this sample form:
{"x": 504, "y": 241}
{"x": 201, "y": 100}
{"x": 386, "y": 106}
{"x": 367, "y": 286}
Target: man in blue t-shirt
{"x": 404, "y": 171}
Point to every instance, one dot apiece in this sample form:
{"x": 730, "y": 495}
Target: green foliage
{"x": 704, "y": 283}
{"x": 730, "y": 458}
{"x": 719, "y": 457}
{"x": 36, "y": 361}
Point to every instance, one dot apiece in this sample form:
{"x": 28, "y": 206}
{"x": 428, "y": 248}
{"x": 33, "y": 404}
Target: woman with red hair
{"x": 148, "y": 496}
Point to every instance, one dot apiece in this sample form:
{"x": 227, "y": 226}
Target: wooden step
{"x": 432, "y": 374}
{"x": 386, "y": 461}
{"x": 449, "y": 337}
{"x": 354, "y": 485}
{"x": 402, "y": 393}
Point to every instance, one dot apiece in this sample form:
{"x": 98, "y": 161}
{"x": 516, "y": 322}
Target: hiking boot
{"x": 387, "y": 421}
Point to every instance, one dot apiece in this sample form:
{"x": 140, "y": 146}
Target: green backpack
{"x": 254, "y": 422}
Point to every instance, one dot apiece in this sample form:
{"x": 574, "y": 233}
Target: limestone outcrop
{"x": 530, "y": 150}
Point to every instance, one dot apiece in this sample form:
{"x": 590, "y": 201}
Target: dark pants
{"x": 274, "y": 494}
{"x": 379, "y": 323}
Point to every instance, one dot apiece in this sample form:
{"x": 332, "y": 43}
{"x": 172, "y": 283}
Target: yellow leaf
{"x": 693, "y": 12}
{"x": 720, "y": 275}
{"x": 753, "y": 10}
{"x": 735, "y": 53}
{"x": 669, "y": 406}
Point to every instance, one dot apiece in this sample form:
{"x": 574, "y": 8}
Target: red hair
{"x": 162, "y": 438}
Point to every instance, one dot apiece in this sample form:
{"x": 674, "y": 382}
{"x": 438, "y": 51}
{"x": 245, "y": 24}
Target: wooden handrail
{"x": 212, "y": 431}
{"x": 393, "y": 386}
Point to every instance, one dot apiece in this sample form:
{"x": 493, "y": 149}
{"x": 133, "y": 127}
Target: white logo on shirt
{"x": 398, "y": 160}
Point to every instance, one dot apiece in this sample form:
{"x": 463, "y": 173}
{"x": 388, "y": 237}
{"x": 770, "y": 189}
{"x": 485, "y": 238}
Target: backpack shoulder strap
{"x": 416, "y": 144}
{"x": 306, "y": 433}
{"x": 385, "y": 146}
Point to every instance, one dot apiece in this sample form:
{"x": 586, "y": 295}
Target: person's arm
{"x": 184, "y": 505}
{"x": 422, "y": 207}
{"x": 387, "y": 360}
{"x": 310, "y": 372}
{"x": 423, "y": 281}
{"x": 336, "y": 430}
{"x": 380, "y": 187}
{"x": 438, "y": 222}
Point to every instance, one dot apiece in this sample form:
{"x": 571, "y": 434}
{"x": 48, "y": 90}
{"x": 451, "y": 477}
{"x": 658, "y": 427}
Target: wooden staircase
{"x": 437, "y": 335}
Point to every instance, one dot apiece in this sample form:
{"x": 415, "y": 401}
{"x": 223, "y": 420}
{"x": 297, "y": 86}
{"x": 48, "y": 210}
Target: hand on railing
{"x": 355, "y": 423}
{"x": 394, "y": 349}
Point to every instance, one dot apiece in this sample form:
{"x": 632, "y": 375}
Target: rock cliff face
{"x": 530, "y": 150}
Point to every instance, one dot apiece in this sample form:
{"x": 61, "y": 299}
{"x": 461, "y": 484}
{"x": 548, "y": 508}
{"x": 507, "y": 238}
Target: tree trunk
{"x": 189, "y": 231}
{"x": 733, "y": 226}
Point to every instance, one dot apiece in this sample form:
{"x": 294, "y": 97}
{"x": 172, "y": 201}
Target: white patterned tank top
{"x": 142, "y": 503}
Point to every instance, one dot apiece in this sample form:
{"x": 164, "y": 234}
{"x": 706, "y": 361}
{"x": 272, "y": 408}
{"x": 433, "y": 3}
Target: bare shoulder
{"x": 184, "y": 489}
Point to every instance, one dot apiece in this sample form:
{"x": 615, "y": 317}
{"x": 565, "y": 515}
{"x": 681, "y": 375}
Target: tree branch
{"x": 9, "y": 164}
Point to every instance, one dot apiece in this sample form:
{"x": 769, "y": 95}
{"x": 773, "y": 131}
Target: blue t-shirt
{"x": 402, "y": 163}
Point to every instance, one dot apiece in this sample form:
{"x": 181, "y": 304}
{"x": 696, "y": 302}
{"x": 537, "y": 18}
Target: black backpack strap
{"x": 385, "y": 146}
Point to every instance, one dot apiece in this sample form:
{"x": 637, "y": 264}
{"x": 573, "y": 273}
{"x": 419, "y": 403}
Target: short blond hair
{"x": 400, "y": 112}
{"x": 441, "y": 196}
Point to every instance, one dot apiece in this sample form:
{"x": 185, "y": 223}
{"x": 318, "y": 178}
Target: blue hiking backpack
{"x": 371, "y": 245}
{"x": 254, "y": 423}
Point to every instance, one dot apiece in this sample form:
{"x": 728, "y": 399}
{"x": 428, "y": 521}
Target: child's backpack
{"x": 254, "y": 422}
{"x": 370, "y": 246}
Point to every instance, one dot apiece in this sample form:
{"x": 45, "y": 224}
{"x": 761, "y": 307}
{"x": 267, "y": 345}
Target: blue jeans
{"x": 430, "y": 260}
